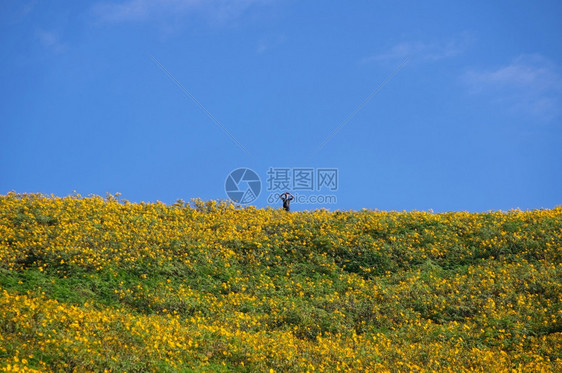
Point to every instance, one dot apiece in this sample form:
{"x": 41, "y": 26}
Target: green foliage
{"x": 489, "y": 282}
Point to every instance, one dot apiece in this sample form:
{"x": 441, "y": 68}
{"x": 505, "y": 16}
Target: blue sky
{"x": 465, "y": 108}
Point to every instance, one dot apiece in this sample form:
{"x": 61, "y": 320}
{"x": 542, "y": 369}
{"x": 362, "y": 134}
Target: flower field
{"x": 101, "y": 284}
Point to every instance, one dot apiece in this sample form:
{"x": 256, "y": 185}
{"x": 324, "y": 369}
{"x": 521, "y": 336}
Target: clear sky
{"x": 442, "y": 105}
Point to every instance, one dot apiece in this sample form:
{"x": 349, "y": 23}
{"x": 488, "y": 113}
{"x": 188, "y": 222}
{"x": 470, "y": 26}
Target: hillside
{"x": 92, "y": 283}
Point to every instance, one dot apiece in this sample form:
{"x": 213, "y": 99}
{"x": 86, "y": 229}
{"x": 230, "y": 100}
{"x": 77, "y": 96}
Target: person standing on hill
{"x": 286, "y": 198}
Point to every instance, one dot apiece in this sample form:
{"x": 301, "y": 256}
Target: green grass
{"x": 416, "y": 279}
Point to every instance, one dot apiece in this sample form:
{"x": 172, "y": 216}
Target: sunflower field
{"x": 102, "y": 284}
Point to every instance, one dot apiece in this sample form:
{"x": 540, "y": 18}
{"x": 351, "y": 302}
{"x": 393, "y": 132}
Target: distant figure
{"x": 286, "y": 198}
